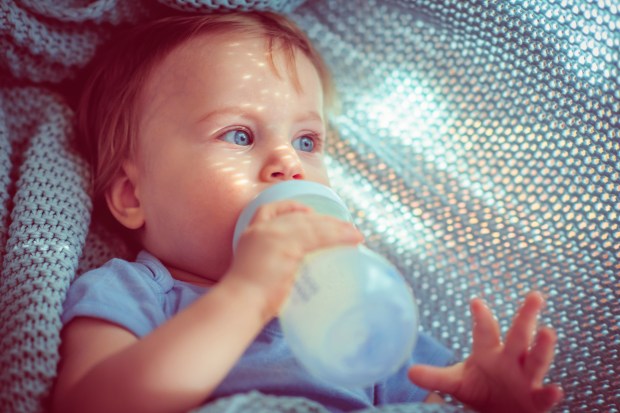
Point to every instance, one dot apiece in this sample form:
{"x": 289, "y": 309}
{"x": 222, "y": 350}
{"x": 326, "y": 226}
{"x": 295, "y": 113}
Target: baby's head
{"x": 186, "y": 119}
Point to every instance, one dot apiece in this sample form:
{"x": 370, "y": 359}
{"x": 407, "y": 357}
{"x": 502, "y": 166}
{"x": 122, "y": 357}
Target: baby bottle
{"x": 350, "y": 319}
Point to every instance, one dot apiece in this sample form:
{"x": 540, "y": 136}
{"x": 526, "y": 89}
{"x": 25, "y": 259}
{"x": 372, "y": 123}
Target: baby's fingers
{"x": 485, "y": 330}
{"x": 519, "y": 336}
{"x": 441, "y": 379}
{"x": 298, "y": 229}
{"x": 540, "y": 356}
{"x": 270, "y": 211}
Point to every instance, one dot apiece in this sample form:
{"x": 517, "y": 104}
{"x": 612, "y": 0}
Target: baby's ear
{"x": 123, "y": 200}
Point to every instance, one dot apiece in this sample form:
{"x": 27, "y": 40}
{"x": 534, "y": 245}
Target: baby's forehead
{"x": 202, "y": 54}
{"x": 227, "y": 67}
{"x": 206, "y": 51}
{"x": 192, "y": 56}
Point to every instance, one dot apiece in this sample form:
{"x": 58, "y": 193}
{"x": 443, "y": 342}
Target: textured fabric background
{"x": 478, "y": 149}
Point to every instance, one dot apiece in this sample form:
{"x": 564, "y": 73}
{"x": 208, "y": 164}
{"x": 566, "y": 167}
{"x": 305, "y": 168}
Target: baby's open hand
{"x": 500, "y": 376}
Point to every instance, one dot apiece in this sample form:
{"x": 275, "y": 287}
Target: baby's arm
{"x": 106, "y": 368}
{"x": 500, "y": 376}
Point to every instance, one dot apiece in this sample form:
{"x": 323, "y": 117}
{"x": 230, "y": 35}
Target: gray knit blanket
{"x": 479, "y": 151}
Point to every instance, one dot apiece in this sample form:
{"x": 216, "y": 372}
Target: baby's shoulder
{"x": 145, "y": 272}
{"x": 131, "y": 294}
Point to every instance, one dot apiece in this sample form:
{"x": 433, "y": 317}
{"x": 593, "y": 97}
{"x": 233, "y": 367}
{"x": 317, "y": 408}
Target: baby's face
{"x": 217, "y": 126}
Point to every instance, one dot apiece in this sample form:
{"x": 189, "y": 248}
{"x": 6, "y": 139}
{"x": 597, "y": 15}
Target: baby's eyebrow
{"x": 244, "y": 112}
{"x": 231, "y": 110}
{"x": 311, "y": 115}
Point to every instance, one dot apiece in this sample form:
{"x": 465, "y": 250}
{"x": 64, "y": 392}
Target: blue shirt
{"x": 142, "y": 295}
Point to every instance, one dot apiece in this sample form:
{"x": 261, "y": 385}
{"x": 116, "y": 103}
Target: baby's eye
{"x": 238, "y": 137}
{"x": 304, "y": 143}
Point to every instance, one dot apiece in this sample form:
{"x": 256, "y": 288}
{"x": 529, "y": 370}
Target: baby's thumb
{"x": 441, "y": 379}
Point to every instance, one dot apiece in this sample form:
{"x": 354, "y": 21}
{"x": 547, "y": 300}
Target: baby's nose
{"x": 282, "y": 164}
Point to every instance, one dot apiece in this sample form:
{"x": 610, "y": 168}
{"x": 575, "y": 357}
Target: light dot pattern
{"x": 479, "y": 151}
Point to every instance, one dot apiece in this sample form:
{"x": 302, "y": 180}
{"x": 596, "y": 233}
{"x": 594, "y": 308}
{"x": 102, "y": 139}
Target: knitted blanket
{"x": 479, "y": 151}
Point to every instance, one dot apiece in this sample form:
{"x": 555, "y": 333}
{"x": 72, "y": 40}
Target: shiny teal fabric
{"x": 480, "y": 150}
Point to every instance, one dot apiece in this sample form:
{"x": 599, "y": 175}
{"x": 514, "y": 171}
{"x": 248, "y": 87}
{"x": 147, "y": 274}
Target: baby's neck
{"x": 188, "y": 277}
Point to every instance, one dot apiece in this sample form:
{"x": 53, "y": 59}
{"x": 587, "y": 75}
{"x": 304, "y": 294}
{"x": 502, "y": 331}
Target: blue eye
{"x": 238, "y": 137}
{"x": 304, "y": 143}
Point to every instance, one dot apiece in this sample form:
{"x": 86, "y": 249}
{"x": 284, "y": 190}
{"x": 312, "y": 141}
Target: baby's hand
{"x": 500, "y": 377}
{"x": 272, "y": 247}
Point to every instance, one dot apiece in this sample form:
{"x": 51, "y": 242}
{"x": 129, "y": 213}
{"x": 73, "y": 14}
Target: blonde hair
{"x": 107, "y": 110}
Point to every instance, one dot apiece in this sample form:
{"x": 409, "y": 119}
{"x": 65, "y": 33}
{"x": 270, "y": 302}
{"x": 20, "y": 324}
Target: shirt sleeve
{"x": 398, "y": 388}
{"x": 119, "y": 292}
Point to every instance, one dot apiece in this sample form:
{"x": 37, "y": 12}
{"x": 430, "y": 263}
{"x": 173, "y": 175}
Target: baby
{"x": 185, "y": 120}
